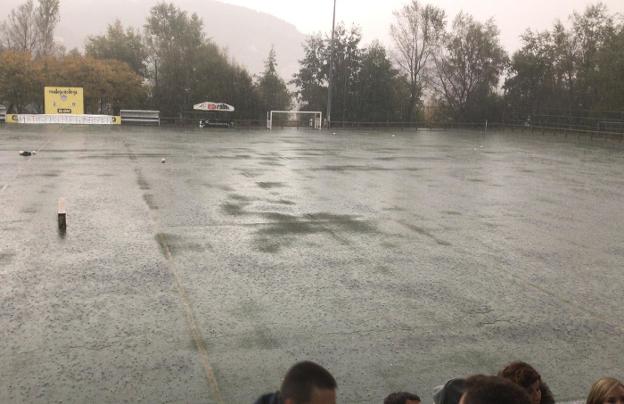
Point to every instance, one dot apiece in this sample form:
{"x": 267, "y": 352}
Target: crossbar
{"x": 315, "y": 113}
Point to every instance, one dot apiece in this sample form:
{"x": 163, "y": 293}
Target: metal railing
{"x": 143, "y": 117}
{"x": 608, "y": 129}
{"x": 617, "y": 135}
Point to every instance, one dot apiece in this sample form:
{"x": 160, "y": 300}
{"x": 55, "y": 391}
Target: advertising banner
{"x": 214, "y": 106}
{"x": 64, "y": 100}
{"x": 64, "y": 119}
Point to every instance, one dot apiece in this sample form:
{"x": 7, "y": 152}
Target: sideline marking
{"x": 192, "y": 322}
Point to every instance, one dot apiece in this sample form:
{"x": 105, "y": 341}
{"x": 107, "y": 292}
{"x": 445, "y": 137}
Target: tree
{"x": 19, "y": 80}
{"x": 610, "y": 83}
{"x": 469, "y": 68}
{"x": 216, "y": 79}
{"x": 121, "y": 44}
{"x": 272, "y": 90}
{"x": 570, "y": 73}
{"x": 46, "y": 18}
{"x": 185, "y": 68}
{"x": 31, "y": 29}
{"x": 417, "y": 34}
{"x": 378, "y": 99}
{"x": 347, "y": 65}
{"x": 532, "y": 84}
{"x": 109, "y": 85}
{"x": 20, "y": 30}
{"x": 175, "y": 41}
{"x": 592, "y": 31}
{"x": 311, "y": 80}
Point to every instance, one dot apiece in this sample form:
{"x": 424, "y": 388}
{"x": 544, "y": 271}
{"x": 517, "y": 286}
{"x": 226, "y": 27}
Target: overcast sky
{"x": 374, "y": 16}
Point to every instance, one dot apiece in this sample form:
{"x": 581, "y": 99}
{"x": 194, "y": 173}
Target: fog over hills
{"x": 246, "y": 34}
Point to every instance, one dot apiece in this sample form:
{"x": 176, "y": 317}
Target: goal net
{"x": 298, "y": 119}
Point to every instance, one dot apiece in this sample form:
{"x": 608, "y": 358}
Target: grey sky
{"x": 374, "y": 16}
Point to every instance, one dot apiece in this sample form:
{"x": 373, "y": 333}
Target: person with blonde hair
{"x": 606, "y": 391}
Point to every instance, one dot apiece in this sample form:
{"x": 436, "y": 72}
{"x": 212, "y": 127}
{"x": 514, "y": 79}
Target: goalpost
{"x": 314, "y": 119}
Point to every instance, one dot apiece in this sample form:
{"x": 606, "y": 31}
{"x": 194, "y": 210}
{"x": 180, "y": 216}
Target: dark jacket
{"x": 451, "y": 392}
{"x": 547, "y": 395}
{"x": 271, "y": 398}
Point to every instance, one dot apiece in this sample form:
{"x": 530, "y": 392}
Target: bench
{"x": 141, "y": 117}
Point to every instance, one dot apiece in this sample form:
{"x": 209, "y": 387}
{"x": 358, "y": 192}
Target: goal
{"x": 299, "y": 119}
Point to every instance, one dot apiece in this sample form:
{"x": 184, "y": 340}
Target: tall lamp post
{"x": 331, "y": 70}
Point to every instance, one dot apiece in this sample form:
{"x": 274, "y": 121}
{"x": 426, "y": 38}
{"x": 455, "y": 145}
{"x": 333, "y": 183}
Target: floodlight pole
{"x": 331, "y": 69}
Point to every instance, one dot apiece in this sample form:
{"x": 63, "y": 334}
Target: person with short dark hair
{"x": 525, "y": 376}
{"x": 451, "y": 392}
{"x": 402, "y": 398}
{"x": 305, "y": 383}
{"x": 493, "y": 390}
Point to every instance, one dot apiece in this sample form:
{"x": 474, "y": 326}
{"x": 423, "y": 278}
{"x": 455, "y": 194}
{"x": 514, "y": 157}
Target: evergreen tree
{"x": 272, "y": 90}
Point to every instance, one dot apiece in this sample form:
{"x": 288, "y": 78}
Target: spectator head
{"x": 525, "y": 376}
{"x": 402, "y": 398}
{"x": 451, "y": 392}
{"x": 493, "y": 390}
{"x": 606, "y": 391}
{"x": 308, "y": 383}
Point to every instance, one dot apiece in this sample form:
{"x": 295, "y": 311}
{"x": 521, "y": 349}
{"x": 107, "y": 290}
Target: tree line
{"x": 169, "y": 65}
{"x": 436, "y": 69}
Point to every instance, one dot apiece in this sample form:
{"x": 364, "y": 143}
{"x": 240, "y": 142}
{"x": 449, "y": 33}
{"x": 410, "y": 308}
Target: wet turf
{"x": 397, "y": 262}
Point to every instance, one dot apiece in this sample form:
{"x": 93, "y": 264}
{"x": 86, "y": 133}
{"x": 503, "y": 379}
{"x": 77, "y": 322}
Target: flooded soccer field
{"x": 397, "y": 260}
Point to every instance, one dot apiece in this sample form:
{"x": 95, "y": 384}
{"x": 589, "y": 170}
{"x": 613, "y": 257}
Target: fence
{"x": 539, "y": 124}
{"x": 617, "y": 135}
{"x": 3, "y": 111}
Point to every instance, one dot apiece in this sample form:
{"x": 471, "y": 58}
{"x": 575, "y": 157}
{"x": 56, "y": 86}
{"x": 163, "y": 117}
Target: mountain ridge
{"x": 247, "y": 35}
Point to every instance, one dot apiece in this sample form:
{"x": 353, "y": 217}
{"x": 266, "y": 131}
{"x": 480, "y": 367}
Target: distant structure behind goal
{"x": 299, "y": 119}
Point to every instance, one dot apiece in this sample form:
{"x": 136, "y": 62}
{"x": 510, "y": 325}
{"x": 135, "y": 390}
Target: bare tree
{"x": 20, "y": 28}
{"x": 30, "y": 28}
{"x": 417, "y": 33}
{"x": 47, "y": 17}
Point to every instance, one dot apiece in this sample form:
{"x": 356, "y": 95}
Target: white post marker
{"x": 62, "y": 215}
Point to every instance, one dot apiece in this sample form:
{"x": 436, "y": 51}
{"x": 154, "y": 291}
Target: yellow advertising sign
{"x": 64, "y": 100}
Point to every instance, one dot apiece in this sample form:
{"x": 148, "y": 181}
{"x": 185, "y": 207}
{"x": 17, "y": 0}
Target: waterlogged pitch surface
{"x": 397, "y": 260}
